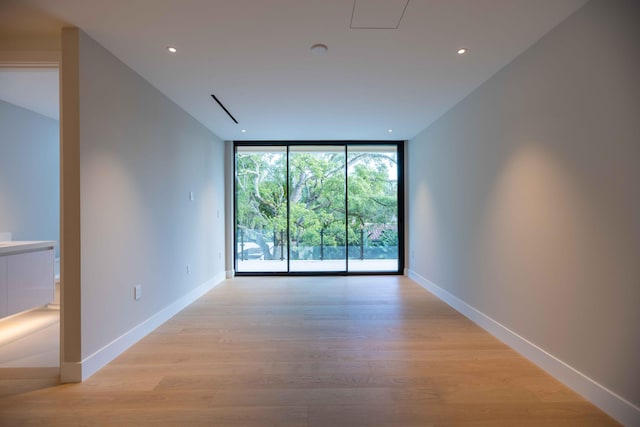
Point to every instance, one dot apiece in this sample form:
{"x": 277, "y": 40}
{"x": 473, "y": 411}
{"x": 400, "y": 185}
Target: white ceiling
{"x": 254, "y": 55}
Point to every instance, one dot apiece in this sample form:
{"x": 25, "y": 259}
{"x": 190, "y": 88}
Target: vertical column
{"x": 70, "y": 250}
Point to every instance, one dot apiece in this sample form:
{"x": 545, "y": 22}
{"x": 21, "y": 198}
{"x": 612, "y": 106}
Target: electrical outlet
{"x": 137, "y": 292}
{"x": 218, "y": 213}
{"x": 188, "y": 268}
{"x": 191, "y": 196}
{"x": 219, "y": 255}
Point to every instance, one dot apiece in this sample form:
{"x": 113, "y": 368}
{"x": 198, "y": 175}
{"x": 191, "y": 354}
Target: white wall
{"x": 140, "y": 156}
{"x": 29, "y": 174}
{"x": 524, "y": 199}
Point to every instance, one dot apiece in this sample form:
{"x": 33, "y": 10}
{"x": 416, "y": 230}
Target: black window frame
{"x": 400, "y": 145}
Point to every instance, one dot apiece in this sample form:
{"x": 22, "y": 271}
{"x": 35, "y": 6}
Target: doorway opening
{"x": 318, "y": 208}
{"x": 30, "y": 221}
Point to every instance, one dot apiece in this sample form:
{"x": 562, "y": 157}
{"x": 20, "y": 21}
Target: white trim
{"x": 80, "y": 371}
{"x": 230, "y": 274}
{"x": 617, "y": 407}
{"x": 30, "y": 59}
{"x": 71, "y": 372}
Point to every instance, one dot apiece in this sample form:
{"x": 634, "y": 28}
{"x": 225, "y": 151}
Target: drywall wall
{"x": 29, "y": 174}
{"x": 524, "y": 199}
{"x": 139, "y": 156}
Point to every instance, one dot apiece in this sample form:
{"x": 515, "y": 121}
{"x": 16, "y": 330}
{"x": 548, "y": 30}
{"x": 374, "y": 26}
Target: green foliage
{"x": 317, "y": 197}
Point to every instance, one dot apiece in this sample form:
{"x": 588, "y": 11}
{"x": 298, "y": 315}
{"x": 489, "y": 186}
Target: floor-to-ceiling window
{"x": 330, "y": 208}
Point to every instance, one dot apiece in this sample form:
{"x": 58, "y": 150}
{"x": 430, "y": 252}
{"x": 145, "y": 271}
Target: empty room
{"x": 321, "y": 213}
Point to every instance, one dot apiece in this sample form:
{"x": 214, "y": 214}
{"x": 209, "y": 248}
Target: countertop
{"x": 12, "y": 247}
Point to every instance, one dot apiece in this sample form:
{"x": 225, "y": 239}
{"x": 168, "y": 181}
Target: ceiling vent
{"x": 224, "y": 108}
{"x": 377, "y": 14}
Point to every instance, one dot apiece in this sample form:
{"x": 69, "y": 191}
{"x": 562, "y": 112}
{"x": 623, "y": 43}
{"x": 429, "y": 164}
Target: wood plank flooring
{"x": 331, "y": 351}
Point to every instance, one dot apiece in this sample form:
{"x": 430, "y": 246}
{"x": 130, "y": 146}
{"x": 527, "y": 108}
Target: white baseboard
{"x": 617, "y": 407}
{"x": 230, "y": 274}
{"x": 80, "y": 371}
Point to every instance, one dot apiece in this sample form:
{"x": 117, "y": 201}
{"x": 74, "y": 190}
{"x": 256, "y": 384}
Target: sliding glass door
{"x": 261, "y": 209}
{"x": 372, "y": 177}
{"x": 317, "y": 220}
{"x": 331, "y": 208}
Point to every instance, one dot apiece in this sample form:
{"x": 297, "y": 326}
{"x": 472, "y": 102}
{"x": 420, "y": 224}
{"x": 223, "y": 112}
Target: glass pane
{"x": 261, "y": 209}
{"x": 373, "y": 208}
{"x": 317, "y": 208}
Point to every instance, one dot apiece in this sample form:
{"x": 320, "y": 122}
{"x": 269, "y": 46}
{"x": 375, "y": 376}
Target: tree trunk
{"x": 265, "y": 248}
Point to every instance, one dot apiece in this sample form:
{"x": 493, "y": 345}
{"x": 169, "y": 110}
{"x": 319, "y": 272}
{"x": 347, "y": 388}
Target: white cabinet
{"x": 4, "y": 287}
{"x": 26, "y": 280}
{"x": 30, "y": 280}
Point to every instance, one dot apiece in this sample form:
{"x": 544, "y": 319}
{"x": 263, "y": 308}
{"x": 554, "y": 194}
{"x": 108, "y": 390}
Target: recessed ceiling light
{"x": 462, "y": 51}
{"x": 172, "y": 49}
{"x": 244, "y": 130}
{"x": 319, "y": 49}
{"x": 390, "y": 130}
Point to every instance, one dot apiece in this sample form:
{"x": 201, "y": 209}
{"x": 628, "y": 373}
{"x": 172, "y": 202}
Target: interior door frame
{"x": 21, "y": 60}
{"x": 345, "y": 143}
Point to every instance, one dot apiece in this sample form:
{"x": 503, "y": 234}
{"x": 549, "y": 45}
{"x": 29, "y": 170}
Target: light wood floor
{"x": 357, "y": 351}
